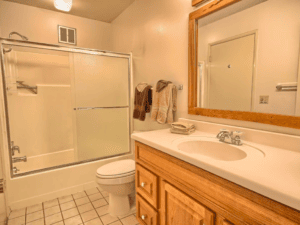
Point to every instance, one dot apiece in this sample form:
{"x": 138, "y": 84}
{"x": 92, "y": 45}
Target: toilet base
{"x": 119, "y": 205}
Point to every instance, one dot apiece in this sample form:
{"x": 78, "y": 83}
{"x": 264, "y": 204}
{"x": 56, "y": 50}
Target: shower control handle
{"x": 143, "y": 184}
{"x": 143, "y": 217}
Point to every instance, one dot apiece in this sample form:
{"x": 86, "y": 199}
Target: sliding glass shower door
{"x": 39, "y": 108}
{"x": 65, "y": 107}
{"x": 102, "y": 105}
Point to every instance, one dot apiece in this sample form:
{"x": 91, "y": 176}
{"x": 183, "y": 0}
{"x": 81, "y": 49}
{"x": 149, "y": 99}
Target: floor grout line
{"x": 60, "y": 212}
{"x": 44, "y": 214}
{"x": 77, "y": 208}
{"x": 25, "y": 215}
{"x": 99, "y": 207}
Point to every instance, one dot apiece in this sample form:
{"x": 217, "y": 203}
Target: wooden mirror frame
{"x": 266, "y": 118}
{"x": 196, "y": 2}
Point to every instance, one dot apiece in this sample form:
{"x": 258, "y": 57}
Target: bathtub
{"x": 46, "y": 161}
{"x": 35, "y": 188}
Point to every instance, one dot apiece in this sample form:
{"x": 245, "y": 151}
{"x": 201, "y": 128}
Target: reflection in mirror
{"x": 248, "y": 57}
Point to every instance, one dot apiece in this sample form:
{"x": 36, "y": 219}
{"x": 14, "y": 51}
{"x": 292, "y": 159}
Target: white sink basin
{"x": 219, "y": 151}
{"x": 211, "y": 147}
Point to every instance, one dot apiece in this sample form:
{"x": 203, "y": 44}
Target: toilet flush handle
{"x": 143, "y": 184}
{"x": 143, "y": 217}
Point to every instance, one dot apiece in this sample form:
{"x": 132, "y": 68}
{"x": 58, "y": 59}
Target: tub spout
{"x": 19, "y": 159}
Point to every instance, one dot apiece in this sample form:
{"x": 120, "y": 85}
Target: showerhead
{"x": 22, "y": 36}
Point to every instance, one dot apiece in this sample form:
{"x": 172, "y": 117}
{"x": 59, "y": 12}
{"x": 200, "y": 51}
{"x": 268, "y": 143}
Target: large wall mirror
{"x": 244, "y": 61}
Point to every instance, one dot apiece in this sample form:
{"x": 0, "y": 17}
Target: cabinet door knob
{"x": 143, "y": 184}
{"x": 143, "y": 217}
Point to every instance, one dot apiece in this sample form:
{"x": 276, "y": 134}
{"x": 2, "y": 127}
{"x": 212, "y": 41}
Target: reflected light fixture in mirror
{"x": 64, "y": 5}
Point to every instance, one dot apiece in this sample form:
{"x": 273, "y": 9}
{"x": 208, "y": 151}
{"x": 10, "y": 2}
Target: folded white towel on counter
{"x": 182, "y": 128}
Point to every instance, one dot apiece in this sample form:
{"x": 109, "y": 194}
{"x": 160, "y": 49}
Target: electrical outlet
{"x": 264, "y": 99}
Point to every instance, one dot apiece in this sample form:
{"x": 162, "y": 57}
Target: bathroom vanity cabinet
{"x": 173, "y": 192}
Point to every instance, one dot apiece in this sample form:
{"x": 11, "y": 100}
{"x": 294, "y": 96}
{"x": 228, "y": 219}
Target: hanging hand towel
{"x": 161, "y": 84}
{"x": 142, "y": 102}
{"x": 141, "y": 86}
{"x": 164, "y": 104}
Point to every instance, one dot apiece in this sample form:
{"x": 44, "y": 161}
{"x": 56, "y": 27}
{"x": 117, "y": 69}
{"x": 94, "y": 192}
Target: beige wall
{"x": 40, "y": 25}
{"x": 156, "y": 32}
{"x": 277, "y": 48}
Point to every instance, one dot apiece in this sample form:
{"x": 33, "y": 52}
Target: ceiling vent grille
{"x": 67, "y": 35}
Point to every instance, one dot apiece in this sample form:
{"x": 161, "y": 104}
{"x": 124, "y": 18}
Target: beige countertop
{"x": 269, "y": 171}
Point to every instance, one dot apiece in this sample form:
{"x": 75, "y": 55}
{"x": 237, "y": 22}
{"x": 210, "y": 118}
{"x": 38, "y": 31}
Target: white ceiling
{"x": 101, "y": 10}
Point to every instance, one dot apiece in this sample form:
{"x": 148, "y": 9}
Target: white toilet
{"x": 117, "y": 178}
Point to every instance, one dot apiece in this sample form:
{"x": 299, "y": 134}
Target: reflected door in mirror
{"x": 230, "y": 74}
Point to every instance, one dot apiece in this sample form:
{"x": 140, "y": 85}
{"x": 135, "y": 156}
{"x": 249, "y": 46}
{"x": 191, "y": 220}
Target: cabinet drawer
{"x": 146, "y": 185}
{"x": 146, "y": 215}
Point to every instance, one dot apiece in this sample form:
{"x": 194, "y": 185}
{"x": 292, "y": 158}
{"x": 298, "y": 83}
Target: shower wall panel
{"x": 41, "y": 123}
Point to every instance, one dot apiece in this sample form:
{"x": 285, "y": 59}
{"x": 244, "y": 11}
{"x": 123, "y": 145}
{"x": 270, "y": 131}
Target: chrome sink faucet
{"x": 232, "y": 137}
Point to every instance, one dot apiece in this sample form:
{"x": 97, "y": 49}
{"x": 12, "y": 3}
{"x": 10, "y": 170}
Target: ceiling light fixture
{"x": 64, "y": 5}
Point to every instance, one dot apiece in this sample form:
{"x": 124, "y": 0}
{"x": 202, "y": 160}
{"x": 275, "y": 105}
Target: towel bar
{"x": 179, "y": 87}
{"x": 287, "y": 87}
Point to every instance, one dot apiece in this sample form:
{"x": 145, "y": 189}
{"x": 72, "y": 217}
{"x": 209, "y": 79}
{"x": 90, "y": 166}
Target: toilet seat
{"x": 118, "y": 172}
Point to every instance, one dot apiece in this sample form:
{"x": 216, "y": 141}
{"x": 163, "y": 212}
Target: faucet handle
{"x": 224, "y": 130}
{"x": 237, "y": 133}
{"x": 236, "y": 138}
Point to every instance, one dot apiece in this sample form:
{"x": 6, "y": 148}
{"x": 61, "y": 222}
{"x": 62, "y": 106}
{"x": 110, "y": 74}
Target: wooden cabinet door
{"x": 178, "y": 208}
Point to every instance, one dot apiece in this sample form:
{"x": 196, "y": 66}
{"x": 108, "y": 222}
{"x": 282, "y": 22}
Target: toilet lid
{"x": 117, "y": 169}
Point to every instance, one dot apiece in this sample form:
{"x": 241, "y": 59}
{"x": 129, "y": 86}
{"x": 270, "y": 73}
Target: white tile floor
{"x": 88, "y": 207}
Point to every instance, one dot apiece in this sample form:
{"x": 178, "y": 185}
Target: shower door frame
{"x": 4, "y": 116}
